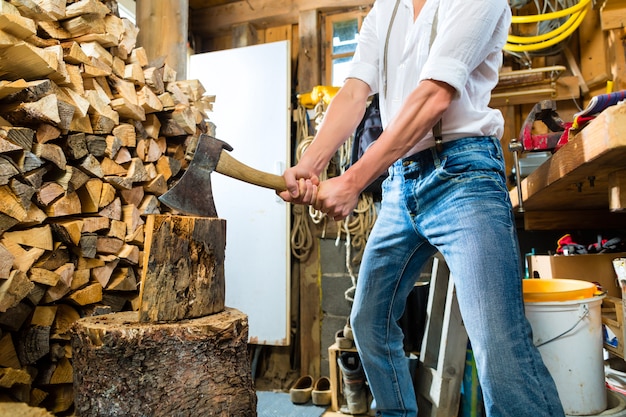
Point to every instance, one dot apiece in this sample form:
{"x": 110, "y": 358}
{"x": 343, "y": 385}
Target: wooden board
{"x": 196, "y": 367}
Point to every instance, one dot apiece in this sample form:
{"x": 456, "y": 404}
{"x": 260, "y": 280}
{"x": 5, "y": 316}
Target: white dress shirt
{"x": 464, "y": 51}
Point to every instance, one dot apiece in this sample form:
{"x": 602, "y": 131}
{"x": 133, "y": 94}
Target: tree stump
{"x": 183, "y": 274}
{"x": 195, "y": 367}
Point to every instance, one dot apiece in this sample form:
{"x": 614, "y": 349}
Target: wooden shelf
{"x": 335, "y": 376}
{"x": 571, "y": 189}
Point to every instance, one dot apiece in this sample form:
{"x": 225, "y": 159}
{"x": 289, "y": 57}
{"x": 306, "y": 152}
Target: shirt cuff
{"x": 366, "y": 73}
{"x": 447, "y": 70}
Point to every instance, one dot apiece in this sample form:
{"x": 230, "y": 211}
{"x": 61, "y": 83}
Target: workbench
{"x": 579, "y": 186}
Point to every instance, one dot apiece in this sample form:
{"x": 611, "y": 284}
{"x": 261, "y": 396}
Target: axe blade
{"x": 193, "y": 194}
{"x": 199, "y": 203}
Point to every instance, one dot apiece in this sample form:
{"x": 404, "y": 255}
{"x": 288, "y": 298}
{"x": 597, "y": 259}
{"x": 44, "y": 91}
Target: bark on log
{"x": 183, "y": 275}
{"x": 197, "y": 367}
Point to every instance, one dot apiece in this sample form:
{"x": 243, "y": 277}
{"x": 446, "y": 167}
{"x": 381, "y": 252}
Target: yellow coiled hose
{"x": 535, "y": 43}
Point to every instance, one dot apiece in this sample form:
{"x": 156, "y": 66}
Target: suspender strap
{"x": 393, "y": 18}
{"x": 438, "y": 136}
{"x": 437, "y": 128}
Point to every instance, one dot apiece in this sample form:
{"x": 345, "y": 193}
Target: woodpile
{"x": 91, "y": 133}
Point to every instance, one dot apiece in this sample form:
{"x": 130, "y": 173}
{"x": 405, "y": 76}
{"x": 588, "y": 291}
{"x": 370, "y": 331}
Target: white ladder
{"x": 442, "y": 356}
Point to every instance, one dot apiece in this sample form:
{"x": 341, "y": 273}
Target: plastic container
{"x": 557, "y": 289}
{"x": 567, "y": 329}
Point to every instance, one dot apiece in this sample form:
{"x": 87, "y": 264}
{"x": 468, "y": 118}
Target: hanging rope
{"x": 301, "y": 237}
{"x": 357, "y": 227}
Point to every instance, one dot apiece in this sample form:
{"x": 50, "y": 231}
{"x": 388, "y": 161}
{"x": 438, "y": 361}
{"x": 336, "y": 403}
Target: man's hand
{"x": 302, "y": 185}
{"x": 336, "y": 198}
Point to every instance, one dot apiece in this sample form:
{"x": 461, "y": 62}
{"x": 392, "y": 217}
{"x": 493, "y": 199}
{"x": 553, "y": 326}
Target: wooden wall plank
{"x": 309, "y": 57}
{"x": 166, "y": 21}
{"x": 594, "y": 60}
{"x": 244, "y": 34}
{"x": 310, "y": 312}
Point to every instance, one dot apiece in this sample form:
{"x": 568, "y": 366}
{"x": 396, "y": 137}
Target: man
{"x": 432, "y": 60}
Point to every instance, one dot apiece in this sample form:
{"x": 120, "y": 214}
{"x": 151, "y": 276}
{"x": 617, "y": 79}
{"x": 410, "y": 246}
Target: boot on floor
{"x": 354, "y": 387}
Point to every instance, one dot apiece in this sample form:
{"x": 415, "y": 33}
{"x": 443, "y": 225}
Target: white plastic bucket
{"x": 569, "y": 337}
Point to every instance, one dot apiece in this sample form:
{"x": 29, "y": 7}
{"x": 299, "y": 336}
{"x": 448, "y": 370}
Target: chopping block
{"x": 183, "y": 353}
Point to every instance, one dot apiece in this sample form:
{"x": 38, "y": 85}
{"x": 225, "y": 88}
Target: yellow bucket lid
{"x": 553, "y": 289}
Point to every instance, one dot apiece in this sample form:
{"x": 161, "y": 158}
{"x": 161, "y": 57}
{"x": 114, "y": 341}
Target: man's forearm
{"x": 341, "y": 119}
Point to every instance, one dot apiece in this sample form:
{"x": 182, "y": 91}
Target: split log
{"x": 6, "y": 262}
{"x": 123, "y": 279}
{"x": 8, "y": 355}
{"x": 22, "y": 410}
{"x": 187, "y": 368}
{"x": 95, "y": 224}
{"x": 89, "y": 295}
{"x": 14, "y": 290}
{"x": 81, "y": 279}
{"x": 40, "y": 237}
{"x": 183, "y": 273}
{"x": 10, "y": 377}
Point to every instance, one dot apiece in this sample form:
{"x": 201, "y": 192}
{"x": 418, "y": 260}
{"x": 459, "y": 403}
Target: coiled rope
{"x": 355, "y": 227}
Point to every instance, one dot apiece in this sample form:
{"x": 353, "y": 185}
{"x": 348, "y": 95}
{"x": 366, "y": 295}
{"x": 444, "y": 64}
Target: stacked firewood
{"x": 91, "y": 133}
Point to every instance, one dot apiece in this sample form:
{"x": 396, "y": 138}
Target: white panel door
{"x": 252, "y": 114}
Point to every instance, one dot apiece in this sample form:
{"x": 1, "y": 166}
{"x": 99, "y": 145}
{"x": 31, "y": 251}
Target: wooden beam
{"x": 594, "y": 54}
{"x": 613, "y": 15}
{"x": 244, "y": 34}
{"x": 309, "y": 66}
{"x": 617, "y": 198}
{"x": 310, "y": 312}
{"x": 163, "y": 31}
{"x": 209, "y": 21}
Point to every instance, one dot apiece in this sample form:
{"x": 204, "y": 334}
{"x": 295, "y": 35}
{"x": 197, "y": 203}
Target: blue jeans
{"x": 455, "y": 202}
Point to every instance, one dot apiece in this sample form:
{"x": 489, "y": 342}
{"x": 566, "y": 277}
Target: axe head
{"x": 192, "y": 194}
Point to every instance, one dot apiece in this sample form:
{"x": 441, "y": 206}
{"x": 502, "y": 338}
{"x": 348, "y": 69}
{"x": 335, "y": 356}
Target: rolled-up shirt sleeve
{"x": 365, "y": 62}
{"x": 457, "y": 52}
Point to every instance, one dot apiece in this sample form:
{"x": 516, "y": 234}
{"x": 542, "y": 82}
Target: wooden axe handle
{"x": 229, "y": 166}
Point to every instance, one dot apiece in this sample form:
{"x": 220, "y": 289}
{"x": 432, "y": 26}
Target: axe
{"x": 192, "y": 194}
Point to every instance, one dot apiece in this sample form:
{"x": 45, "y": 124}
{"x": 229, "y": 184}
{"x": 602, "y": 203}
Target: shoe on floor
{"x": 321, "y": 393}
{"x": 300, "y": 392}
{"x": 342, "y": 341}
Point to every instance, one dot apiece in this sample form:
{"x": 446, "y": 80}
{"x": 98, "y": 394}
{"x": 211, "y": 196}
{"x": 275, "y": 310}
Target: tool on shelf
{"x": 557, "y": 136}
